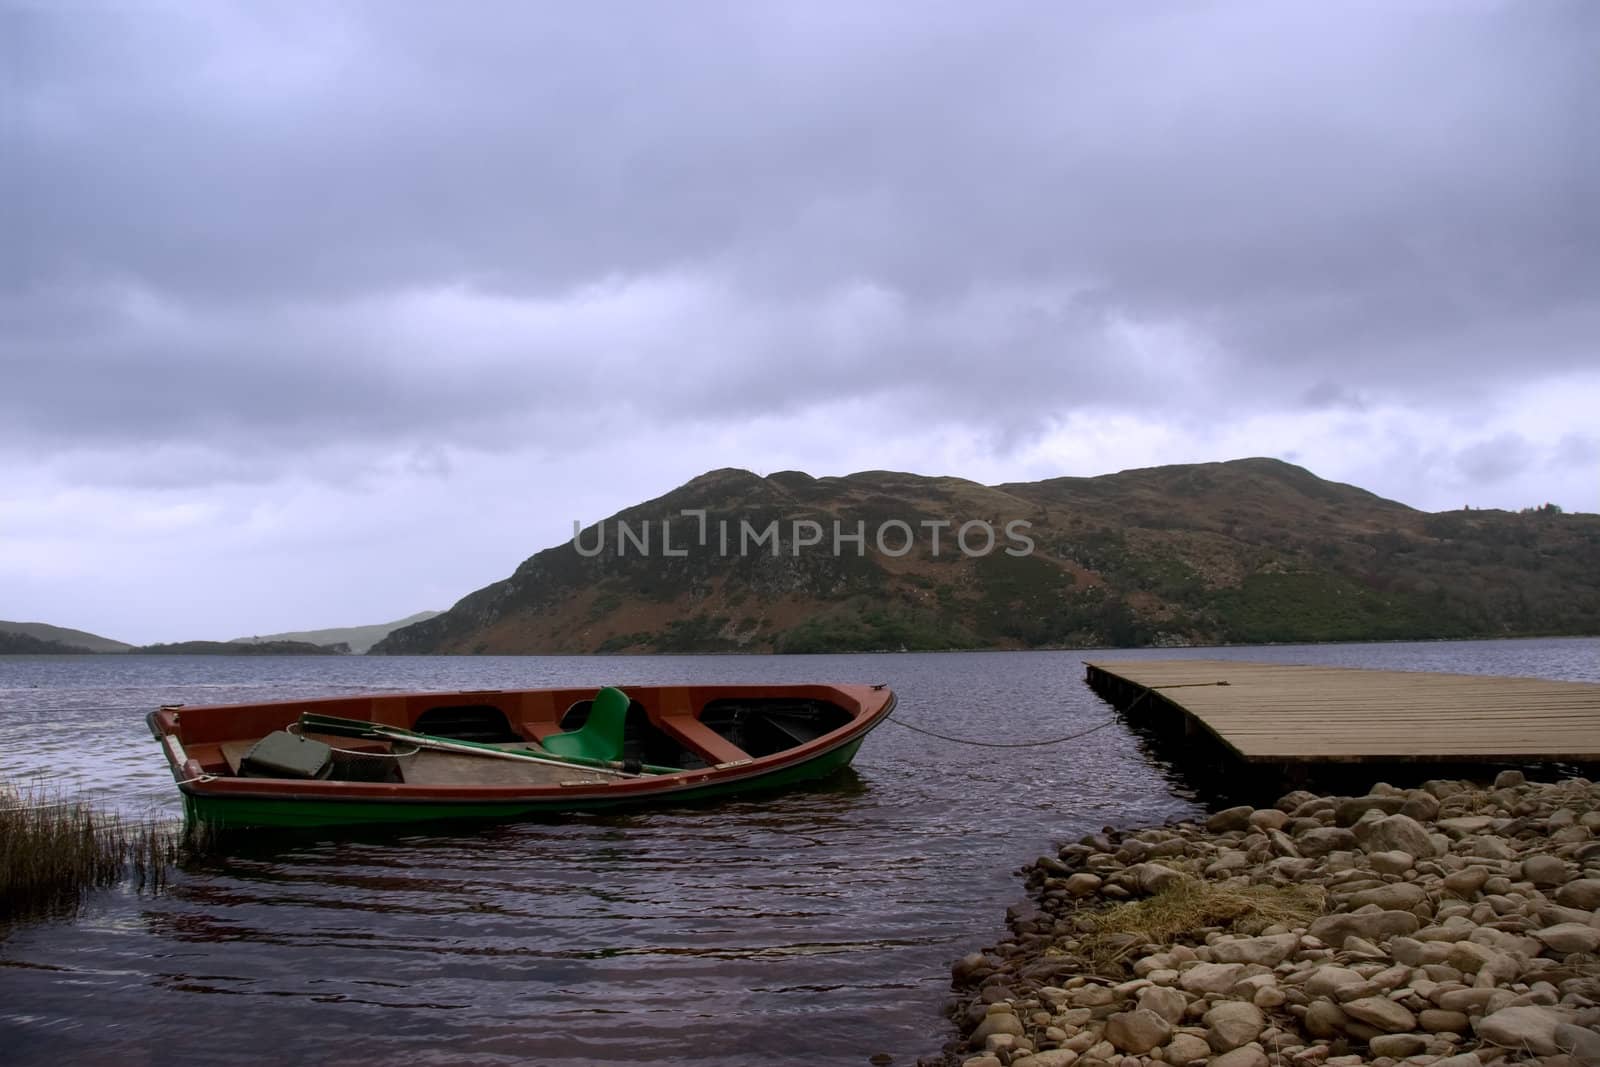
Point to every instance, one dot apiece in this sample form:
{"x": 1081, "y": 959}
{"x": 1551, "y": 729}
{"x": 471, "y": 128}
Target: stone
{"x": 1470, "y": 957}
{"x": 1282, "y": 845}
{"x": 1531, "y": 1029}
{"x": 1487, "y": 846}
{"x": 1233, "y": 1024}
{"x": 1185, "y": 1048}
{"x": 1082, "y": 884}
{"x": 1439, "y": 1021}
{"x": 1231, "y": 861}
{"x": 1350, "y": 810}
{"x": 1470, "y": 1001}
{"x": 1294, "y": 799}
{"x": 1230, "y": 819}
{"x": 1325, "y": 839}
{"x": 1582, "y": 893}
{"x": 1398, "y": 1046}
{"x": 1509, "y": 780}
{"x": 1211, "y": 977}
{"x": 1267, "y": 951}
{"x": 1465, "y": 883}
{"x": 1414, "y": 953}
{"x": 1143, "y": 966}
{"x": 1153, "y": 877}
{"x": 1056, "y": 1057}
{"x": 1359, "y": 948}
{"x": 1392, "y": 862}
{"x": 1399, "y": 896}
{"x": 1381, "y": 1013}
{"x": 1569, "y": 937}
{"x": 1581, "y": 1042}
{"x": 1421, "y": 806}
{"x": 1544, "y": 870}
{"x": 1092, "y": 996}
{"x": 1334, "y": 930}
{"x": 1325, "y": 1019}
{"x": 1003, "y": 1022}
{"x": 1555, "y": 915}
{"x": 1248, "y": 1056}
{"x": 1397, "y": 832}
{"x": 1005, "y": 1045}
{"x": 1269, "y": 997}
{"x": 1268, "y": 819}
{"x": 1327, "y": 981}
{"x": 1137, "y": 1031}
{"x": 1164, "y": 1001}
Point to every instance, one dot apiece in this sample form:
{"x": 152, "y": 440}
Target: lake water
{"x": 813, "y": 927}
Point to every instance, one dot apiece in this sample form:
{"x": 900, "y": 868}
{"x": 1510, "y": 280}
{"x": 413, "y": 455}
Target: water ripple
{"x": 813, "y": 927}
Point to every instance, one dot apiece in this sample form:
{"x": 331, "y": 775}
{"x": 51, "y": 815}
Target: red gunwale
{"x": 200, "y": 731}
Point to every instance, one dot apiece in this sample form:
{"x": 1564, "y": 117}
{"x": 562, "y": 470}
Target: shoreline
{"x": 1455, "y": 924}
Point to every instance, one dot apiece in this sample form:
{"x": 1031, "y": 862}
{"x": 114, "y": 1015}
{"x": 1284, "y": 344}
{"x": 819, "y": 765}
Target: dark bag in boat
{"x": 283, "y": 755}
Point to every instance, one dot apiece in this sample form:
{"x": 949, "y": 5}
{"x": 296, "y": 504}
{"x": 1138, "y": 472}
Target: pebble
{"x": 1233, "y": 1024}
{"x": 1248, "y": 1056}
{"x": 1531, "y": 1028}
{"x": 1382, "y": 1013}
{"x": 1138, "y": 1031}
{"x": 1463, "y": 930}
{"x": 1184, "y": 1048}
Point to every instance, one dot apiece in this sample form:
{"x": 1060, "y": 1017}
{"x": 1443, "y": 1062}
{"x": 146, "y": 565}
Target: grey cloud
{"x": 1377, "y": 198}
{"x": 1497, "y": 459}
{"x": 1326, "y": 394}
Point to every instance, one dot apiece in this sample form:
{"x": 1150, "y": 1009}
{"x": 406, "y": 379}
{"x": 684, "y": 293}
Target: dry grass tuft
{"x": 1191, "y": 907}
{"x": 53, "y": 849}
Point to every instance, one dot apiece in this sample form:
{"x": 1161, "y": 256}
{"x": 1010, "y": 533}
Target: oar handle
{"x": 332, "y": 724}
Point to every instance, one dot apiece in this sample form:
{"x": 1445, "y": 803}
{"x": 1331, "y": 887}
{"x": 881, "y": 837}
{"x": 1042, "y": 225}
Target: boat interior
{"x": 650, "y": 730}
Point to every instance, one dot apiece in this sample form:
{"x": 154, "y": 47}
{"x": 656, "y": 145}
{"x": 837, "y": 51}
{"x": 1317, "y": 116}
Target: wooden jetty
{"x": 1265, "y": 713}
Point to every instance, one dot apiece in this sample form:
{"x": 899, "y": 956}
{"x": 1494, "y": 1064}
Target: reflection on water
{"x": 815, "y": 926}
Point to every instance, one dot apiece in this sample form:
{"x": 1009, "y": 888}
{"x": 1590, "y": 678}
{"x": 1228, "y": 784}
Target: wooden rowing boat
{"x": 505, "y": 753}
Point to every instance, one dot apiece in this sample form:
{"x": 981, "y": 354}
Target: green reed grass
{"x": 55, "y": 848}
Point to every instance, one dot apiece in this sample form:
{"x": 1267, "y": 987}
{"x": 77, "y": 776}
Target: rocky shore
{"x": 1457, "y": 924}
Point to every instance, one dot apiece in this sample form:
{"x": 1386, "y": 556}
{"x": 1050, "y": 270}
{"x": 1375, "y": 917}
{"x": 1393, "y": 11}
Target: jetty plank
{"x": 1268, "y": 712}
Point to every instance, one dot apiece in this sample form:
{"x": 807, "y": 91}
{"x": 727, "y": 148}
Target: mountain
{"x": 71, "y": 640}
{"x": 1248, "y": 551}
{"x": 359, "y": 638}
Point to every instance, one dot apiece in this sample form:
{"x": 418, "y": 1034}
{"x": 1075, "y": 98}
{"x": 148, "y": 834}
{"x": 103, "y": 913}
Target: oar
{"x": 330, "y": 724}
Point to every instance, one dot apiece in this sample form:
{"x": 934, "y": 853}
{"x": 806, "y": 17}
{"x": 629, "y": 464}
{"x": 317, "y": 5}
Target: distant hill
{"x": 359, "y": 638}
{"x": 15, "y": 644}
{"x": 72, "y": 640}
{"x": 228, "y": 648}
{"x": 1247, "y": 551}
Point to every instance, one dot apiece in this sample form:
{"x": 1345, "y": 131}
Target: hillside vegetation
{"x": 229, "y": 648}
{"x": 1250, "y": 551}
{"x": 42, "y": 637}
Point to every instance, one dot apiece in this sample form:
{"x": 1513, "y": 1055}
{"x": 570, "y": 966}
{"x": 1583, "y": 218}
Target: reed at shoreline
{"x": 54, "y": 848}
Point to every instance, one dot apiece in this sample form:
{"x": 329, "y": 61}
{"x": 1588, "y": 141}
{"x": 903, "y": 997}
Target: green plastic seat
{"x": 600, "y": 737}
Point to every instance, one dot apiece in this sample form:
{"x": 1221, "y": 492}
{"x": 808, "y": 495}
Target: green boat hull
{"x": 218, "y": 810}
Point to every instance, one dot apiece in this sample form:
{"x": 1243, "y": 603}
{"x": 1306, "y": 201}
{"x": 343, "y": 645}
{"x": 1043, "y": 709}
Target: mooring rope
{"x": 1003, "y": 744}
{"x": 1054, "y": 740}
{"x": 1174, "y": 685}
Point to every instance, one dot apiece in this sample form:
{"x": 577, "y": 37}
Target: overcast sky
{"x": 320, "y": 314}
